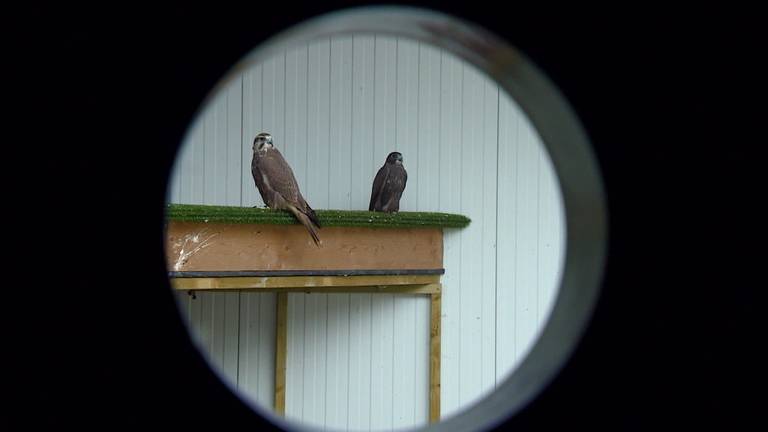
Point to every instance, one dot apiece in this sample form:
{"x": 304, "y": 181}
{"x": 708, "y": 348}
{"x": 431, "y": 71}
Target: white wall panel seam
{"x": 351, "y": 132}
{"x": 242, "y": 132}
{"x": 328, "y": 182}
{"x": 496, "y": 246}
{"x": 461, "y": 197}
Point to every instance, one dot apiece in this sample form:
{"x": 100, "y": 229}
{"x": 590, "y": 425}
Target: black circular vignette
{"x": 672, "y": 340}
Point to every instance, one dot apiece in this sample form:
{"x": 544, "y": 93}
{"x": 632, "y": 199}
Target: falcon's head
{"x": 395, "y": 158}
{"x": 262, "y": 142}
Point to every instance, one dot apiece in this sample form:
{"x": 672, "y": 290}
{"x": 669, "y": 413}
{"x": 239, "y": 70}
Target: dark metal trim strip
{"x": 268, "y": 273}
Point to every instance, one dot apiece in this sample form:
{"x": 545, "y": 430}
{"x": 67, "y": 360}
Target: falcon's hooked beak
{"x": 399, "y": 159}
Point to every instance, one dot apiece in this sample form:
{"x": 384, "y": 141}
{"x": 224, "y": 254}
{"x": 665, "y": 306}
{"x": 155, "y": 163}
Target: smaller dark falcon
{"x": 389, "y": 184}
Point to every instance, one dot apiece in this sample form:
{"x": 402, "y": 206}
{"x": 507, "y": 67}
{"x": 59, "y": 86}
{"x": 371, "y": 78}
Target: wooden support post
{"x": 281, "y": 352}
{"x": 434, "y": 358}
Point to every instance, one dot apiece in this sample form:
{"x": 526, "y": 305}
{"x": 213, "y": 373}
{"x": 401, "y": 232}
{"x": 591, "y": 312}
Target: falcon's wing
{"x": 278, "y": 174}
{"x": 259, "y": 180}
{"x": 378, "y": 185}
{"x": 393, "y": 189}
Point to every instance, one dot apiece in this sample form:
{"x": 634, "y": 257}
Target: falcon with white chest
{"x": 277, "y": 185}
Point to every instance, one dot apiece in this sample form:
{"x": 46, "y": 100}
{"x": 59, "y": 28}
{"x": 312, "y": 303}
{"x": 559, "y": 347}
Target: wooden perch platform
{"x": 238, "y": 240}
{"x": 218, "y": 248}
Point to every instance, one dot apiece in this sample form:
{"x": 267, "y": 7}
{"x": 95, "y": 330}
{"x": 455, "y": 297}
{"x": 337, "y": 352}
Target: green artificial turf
{"x": 328, "y": 218}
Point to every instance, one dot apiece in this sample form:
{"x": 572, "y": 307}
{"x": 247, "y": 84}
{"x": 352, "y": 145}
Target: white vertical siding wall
{"x": 336, "y": 107}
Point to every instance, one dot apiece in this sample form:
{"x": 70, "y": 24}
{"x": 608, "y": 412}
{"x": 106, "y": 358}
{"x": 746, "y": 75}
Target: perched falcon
{"x": 277, "y": 185}
{"x": 389, "y": 184}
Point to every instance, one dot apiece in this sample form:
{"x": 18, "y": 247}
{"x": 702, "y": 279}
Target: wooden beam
{"x": 434, "y": 358}
{"x": 379, "y": 289}
{"x": 425, "y": 289}
{"x": 281, "y": 349}
{"x": 278, "y": 282}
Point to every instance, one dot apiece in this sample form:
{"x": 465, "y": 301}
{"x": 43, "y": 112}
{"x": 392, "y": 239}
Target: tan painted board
{"x": 377, "y": 289}
{"x": 197, "y": 246}
{"x": 279, "y": 282}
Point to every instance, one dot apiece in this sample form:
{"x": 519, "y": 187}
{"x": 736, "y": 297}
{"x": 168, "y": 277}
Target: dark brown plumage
{"x": 277, "y": 185}
{"x": 389, "y": 184}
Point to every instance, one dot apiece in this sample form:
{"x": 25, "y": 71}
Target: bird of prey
{"x": 277, "y": 185}
{"x": 389, "y": 184}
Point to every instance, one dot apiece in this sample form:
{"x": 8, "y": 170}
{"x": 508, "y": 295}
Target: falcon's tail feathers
{"x": 313, "y": 216}
{"x": 307, "y": 222}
